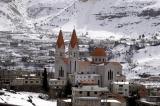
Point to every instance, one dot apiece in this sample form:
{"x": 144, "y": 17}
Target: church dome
{"x": 99, "y": 52}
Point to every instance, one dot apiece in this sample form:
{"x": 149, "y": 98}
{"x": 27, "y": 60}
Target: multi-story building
{"x": 121, "y": 88}
{"x": 90, "y": 95}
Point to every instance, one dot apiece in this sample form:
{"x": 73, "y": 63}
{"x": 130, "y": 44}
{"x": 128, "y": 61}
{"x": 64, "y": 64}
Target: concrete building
{"x": 121, "y": 88}
{"x": 89, "y": 95}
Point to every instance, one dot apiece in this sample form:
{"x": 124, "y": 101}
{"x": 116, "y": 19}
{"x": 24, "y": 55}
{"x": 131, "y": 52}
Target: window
{"x": 121, "y": 93}
{"x": 110, "y": 75}
{"x": 120, "y": 85}
{"x": 26, "y": 82}
{"x": 99, "y": 59}
{"x": 75, "y": 65}
{"x": 80, "y": 92}
{"x": 60, "y": 54}
{"x": 95, "y": 59}
{"x": 31, "y": 81}
{"x": 95, "y": 92}
{"x": 37, "y": 81}
{"x": 74, "y": 54}
{"x": 88, "y": 93}
{"x": 61, "y": 72}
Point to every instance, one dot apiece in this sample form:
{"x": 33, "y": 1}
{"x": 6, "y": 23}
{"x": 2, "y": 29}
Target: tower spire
{"x": 74, "y": 40}
{"x": 60, "y": 40}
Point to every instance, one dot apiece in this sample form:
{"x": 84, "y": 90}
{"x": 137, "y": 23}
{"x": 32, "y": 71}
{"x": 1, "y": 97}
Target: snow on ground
{"x": 25, "y": 99}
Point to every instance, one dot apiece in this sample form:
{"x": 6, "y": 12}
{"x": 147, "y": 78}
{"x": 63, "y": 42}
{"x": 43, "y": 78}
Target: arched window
{"x": 110, "y": 75}
{"x": 61, "y": 72}
{"x": 75, "y": 66}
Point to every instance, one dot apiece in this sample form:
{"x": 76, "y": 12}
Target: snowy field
{"x": 25, "y": 99}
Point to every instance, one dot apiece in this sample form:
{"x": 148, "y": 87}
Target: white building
{"x": 88, "y": 95}
{"x": 55, "y": 83}
{"x": 121, "y": 88}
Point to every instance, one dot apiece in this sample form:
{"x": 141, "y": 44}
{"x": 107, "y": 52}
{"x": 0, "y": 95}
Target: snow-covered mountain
{"x": 113, "y": 17}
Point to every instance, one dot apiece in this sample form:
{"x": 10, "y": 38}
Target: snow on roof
{"x": 53, "y": 79}
{"x": 91, "y": 88}
{"x": 67, "y": 100}
{"x": 113, "y": 101}
{"x": 121, "y": 83}
{"x": 85, "y": 98}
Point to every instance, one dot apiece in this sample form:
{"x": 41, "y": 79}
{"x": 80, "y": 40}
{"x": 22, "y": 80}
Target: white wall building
{"x": 121, "y": 88}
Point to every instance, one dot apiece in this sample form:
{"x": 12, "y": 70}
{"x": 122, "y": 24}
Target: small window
{"x": 80, "y": 92}
{"x": 37, "y": 81}
{"x": 99, "y": 59}
{"x": 26, "y": 82}
{"x": 88, "y": 93}
{"x": 31, "y": 81}
{"x": 120, "y": 85}
{"x": 95, "y": 92}
{"x": 95, "y": 59}
{"x": 121, "y": 93}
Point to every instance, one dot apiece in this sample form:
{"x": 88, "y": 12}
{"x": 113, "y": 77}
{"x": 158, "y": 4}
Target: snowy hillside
{"x": 24, "y": 99}
{"x": 113, "y": 17}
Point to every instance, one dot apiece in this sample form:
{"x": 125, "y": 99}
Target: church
{"x": 99, "y": 71}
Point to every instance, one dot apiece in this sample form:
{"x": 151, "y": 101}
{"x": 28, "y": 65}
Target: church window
{"x": 110, "y": 75}
{"x": 61, "y": 72}
{"x": 75, "y": 66}
{"x": 70, "y": 67}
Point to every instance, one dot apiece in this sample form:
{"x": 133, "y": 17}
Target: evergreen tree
{"x": 67, "y": 89}
{"x": 45, "y": 81}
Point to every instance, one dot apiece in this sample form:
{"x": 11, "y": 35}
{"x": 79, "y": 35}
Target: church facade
{"x": 99, "y": 71}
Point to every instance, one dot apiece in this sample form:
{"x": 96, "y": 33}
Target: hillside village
{"x": 88, "y": 67}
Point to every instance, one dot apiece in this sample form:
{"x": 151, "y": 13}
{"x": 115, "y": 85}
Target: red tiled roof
{"x": 99, "y": 52}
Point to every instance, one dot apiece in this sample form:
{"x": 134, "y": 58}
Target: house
{"x": 121, "y": 88}
{"x": 88, "y": 95}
